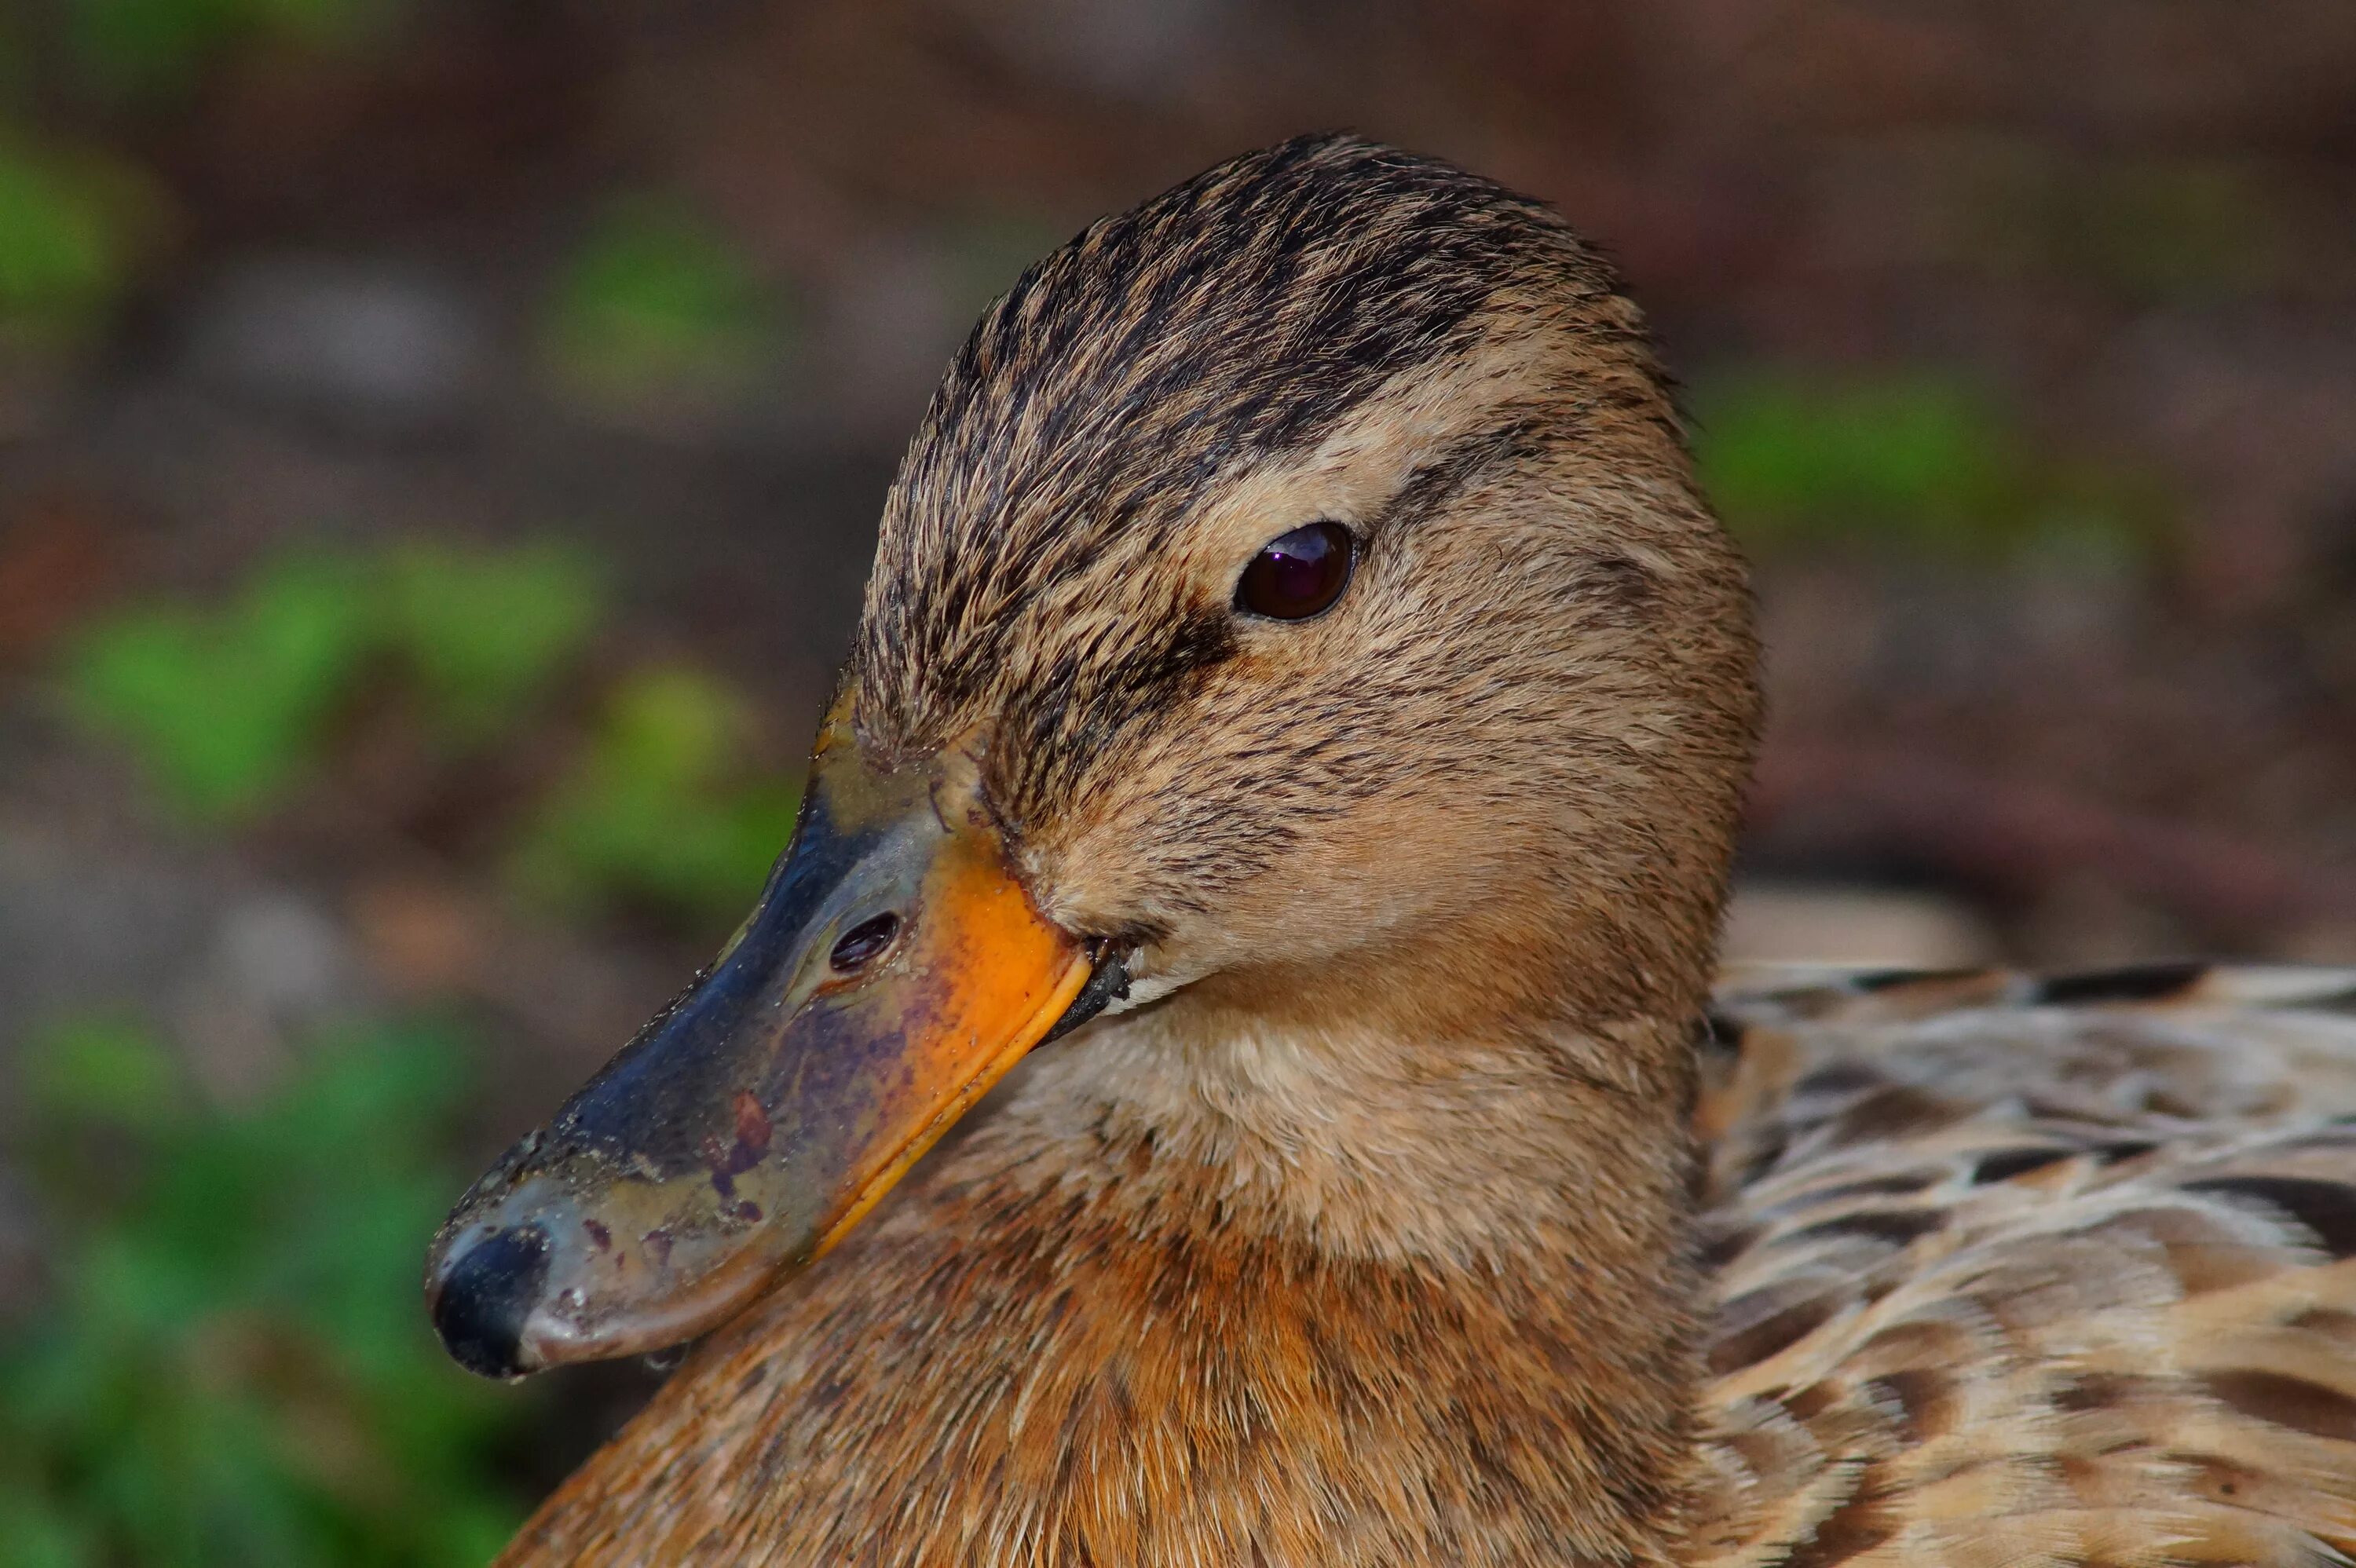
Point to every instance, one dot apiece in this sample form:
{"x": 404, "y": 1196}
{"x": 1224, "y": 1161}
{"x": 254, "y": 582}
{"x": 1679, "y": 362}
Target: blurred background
{"x": 440, "y": 443}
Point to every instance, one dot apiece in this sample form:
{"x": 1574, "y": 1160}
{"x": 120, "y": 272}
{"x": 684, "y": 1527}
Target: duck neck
{"x": 1509, "y": 1202}
{"x": 1549, "y": 1137}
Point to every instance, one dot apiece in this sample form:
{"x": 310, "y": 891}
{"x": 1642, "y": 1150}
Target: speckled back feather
{"x": 2013, "y": 1271}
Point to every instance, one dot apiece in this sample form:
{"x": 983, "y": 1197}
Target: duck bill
{"x": 892, "y": 972}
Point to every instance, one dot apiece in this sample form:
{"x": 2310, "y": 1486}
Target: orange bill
{"x": 893, "y": 971}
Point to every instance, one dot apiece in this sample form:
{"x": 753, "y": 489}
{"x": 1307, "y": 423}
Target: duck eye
{"x": 1298, "y": 574}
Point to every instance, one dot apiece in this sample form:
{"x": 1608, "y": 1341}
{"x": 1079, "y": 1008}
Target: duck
{"x": 1232, "y": 1067}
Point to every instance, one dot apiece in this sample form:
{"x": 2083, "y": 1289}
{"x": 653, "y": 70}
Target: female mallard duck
{"x": 1296, "y": 637}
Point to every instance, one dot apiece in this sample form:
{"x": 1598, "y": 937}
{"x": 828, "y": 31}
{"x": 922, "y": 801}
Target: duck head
{"x": 1295, "y": 617}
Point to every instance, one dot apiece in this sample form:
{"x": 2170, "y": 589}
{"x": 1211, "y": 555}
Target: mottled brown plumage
{"x": 1377, "y": 1229}
{"x": 2011, "y": 1271}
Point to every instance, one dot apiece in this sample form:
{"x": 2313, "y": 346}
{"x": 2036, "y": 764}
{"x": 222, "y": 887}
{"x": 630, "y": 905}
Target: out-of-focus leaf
{"x": 2146, "y": 229}
{"x": 152, "y": 47}
{"x": 100, "y": 1069}
{"x": 224, "y": 708}
{"x": 2175, "y": 230}
{"x": 228, "y": 708}
{"x": 1909, "y": 462}
{"x": 660, "y": 809}
{"x": 654, "y": 299}
{"x": 487, "y": 632}
{"x": 234, "y": 1366}
{"x": 41, "y": 1535}
{"x": 67, "y": 226}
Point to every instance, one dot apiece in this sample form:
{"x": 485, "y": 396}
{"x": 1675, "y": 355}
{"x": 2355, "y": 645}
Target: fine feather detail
{"x": 2003, "y": 1280}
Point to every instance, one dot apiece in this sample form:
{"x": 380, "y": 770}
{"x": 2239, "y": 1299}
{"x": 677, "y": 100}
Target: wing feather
{"x": 2018, "y": 1271}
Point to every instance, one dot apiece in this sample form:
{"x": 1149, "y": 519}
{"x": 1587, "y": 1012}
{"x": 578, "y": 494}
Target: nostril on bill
{"x": 864, "y": 942}
{"x": 486, "y": 1293}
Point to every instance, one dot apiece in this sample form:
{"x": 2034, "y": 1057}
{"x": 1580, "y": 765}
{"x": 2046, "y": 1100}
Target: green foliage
{"x": 72, "y": 220}
{"x": 101, "y": 1070}
{"x": 232, "y": 1365}
{"x": 2162, "y": 232}
{"x": 145, "y": 48}
{"x": 485, "y": 632}
{"x": 230, "y": 707}
{"x": 662, "y": 809}
{"x": 2146, "y": 230}
{"x": 654, "y": 300}
{"x": 1916, "y": 464}
{"x": 67, "y": 239}
{"x": 227, "y": 707}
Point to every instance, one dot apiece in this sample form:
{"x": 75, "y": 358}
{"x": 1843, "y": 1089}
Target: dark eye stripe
{"x": 1298, "y": 574}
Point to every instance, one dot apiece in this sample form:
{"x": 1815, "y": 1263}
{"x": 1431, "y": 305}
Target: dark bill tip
{"x": 487, "y": 1293}
{"x": 1108, "y": 983}
{"x": 895, "y": 969}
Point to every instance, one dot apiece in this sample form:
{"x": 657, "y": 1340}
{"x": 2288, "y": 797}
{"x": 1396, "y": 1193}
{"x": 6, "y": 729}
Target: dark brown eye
{"x": 864, "y": 943}
{"x": 1299, "y": 574}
